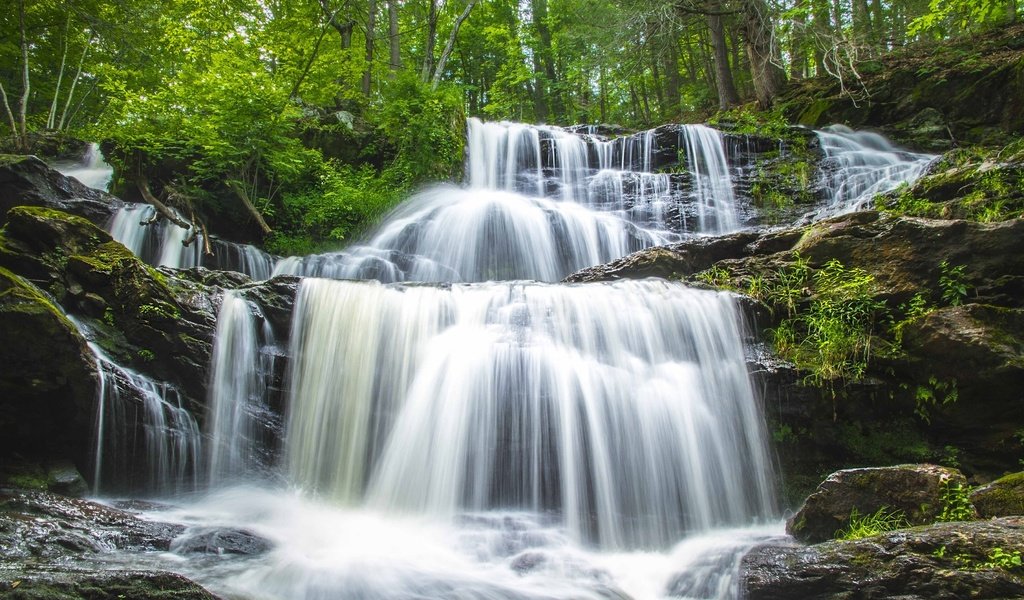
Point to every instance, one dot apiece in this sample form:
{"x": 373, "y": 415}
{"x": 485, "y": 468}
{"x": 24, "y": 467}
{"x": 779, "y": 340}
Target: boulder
{"x": 947, "y": 561}
{"x": 917, "y": 491}
{"x": 205, "y": 540}
{"x": 1003, "y": 497}
{"x": 48, "y": 582}
{"x": 48, "y": 381}
{"x": 28, "y": 181}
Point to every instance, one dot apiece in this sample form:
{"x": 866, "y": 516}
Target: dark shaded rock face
{"x": 1003, "y": 497}
{"x": 970, "y": 95}
{"x": 28, "y": 181}
{"x": 948, "y": 561}
{"x": 915, "y": 490}
{"x": 48, "y": 381}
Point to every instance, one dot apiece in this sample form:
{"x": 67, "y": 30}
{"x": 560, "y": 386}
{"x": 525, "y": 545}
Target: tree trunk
{"x": 393, "y": 39}
{"x": 659, "y": 92}
{"x": 23, "y": 108}
{"x": 797, "y": 52}
{"x": 74, "y": 84}
{"x": 10, "y": 114}
{"x": 428, "y": 53}
{"x": 539, "y": 10}
{"x": 51, "y": 118}
{"x": 371, "y": 24}
{"x": 768, "y": 77}
{"x": 344, "y": 29}
{"x": 239, "y": 191}
{"x": 861, "y": 20}
{"x": 451, "y": 44}
{"x": 672, "y": 79}
{"x": 727, "y": 96}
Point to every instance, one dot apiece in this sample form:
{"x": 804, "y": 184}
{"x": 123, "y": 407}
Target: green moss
{"x": 811, "y": 116}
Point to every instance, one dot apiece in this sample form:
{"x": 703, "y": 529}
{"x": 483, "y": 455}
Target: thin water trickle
{"x": 92, "y": 170}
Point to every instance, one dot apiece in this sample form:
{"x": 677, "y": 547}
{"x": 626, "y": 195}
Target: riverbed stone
{"x": 1003, "y": 497}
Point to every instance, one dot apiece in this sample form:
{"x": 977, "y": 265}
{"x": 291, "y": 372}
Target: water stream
{"x": 477, "y": 434}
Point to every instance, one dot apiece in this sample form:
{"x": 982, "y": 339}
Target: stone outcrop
{"x": 56, "y": 547}
{"x": 930, "y": 96}
{"x": 917, "y": 492}
{"x": 1003, "y": 497}
{"x": 28, "y": 181}
{"x": 947, "y": 561}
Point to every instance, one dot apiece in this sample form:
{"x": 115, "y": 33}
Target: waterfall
{"x": 146, "y": 439}
{"x": 859, "y": 165}
{"x": 540, "y": 203}
{"x": 626, "y": 408}
{"x": 92, "y": 170}
{"x": 238, "y": 416}
{"x": 161, "y": 243}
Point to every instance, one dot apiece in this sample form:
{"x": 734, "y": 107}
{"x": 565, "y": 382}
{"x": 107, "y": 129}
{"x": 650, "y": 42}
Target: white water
{"x": 625, "y": 408}
{"x": 146, "y": 440}
{"x": 540, "y": 203}
{"x": 161, "y": 243}
{"x": 92, "y": 170}
{"x": 859, "y": 165}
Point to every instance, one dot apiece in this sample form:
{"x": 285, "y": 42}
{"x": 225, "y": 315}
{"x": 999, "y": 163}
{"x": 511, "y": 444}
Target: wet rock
{"x": 63, "y": 478}
{"x": 220, "y": 541}
{"x": 948, "y": 561}
{"x": 48, "y": 381}
{"x": 48, "y": 582}
{"x": 28, "y": 181}
{"x": 915, "y": 490}
{"x": 1003, "y": 497}
{"x": 40, "y": 526}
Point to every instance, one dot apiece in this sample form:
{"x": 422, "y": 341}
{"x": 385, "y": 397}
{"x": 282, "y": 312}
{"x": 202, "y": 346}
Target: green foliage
{"x": 425, "y": 126}
{"x": 949, "y": 16}
{"x": 716, "y": 277}
{"x": 745, "y": 120}
{"x": 832, "y": 339}
{"x": 997, "y": 558}
{"x": 956, "y": 503}
{"x": 953, "y": 283}
{"x": 862, "y": 526}
{"x": 935, "y": 393}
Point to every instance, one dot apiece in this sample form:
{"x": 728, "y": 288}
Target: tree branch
{"x": 143, "y": 184}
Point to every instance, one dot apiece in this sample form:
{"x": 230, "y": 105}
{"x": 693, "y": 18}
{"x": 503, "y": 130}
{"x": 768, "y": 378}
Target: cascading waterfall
{"x": 540, "y": 203}
{"x": 625, "y": 408}
{"x": 861, "y": 164}
{"x": 92, "y": 170}
{"x": 146, "y": 440}
{"x": 512, "y": 439}
{"x": 161, "y": 243}
{"x": 239, "y": 417}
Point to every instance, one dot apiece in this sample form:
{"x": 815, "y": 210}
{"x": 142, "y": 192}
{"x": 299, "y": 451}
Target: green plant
{"x": 862, "y": 526}
{"x": 715, "y": 276}
{"x": 933, "y": 394}
{"x": 1003, "y": 559}
{"x": 954, "y": 284}
{"x": 956, "y": 503}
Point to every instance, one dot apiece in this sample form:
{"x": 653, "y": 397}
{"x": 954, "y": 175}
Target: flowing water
{"x": 485, "y": 435}
{"x": 92, "y": 170}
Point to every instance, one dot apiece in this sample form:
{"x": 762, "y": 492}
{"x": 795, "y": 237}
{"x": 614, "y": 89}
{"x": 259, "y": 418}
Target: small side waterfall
{"x": 161, "y": 243}
{"x": 861, "y": 164}
{"x": 146, "y": 439}
{"x": 239, "y": 418}
{"x": 712, "y": 183}
{"x": 625, "y": 408}
{"x": 92, "y": 170}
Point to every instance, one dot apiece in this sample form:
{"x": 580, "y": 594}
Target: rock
{"x": 947, "y": 561}
{"x": 63, "y": 478}
{"x": 68, "y": 583}
{"x": 1003, "y": 497}
{"x": 48, "y": 380}
{"x": 28, "y": 181}
{"x": 968, "y": 96}
{"x": 915, "y": 490}
{"x": 40, "y": 526}
{"x": 220, "y": 541}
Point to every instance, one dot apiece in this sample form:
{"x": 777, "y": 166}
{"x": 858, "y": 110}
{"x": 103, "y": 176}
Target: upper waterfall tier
{"x": 624, "y": 408}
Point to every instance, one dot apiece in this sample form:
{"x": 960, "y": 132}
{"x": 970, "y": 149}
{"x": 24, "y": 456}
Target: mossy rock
{"x": 28, "y": 181}
{"x": 1003, "y": 497}
{"x": 48, "y": 383}
{"x": 916, "y": 491}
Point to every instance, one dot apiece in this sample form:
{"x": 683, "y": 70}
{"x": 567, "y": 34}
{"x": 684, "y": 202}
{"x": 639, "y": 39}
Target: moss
{"x": 811, "y": 116}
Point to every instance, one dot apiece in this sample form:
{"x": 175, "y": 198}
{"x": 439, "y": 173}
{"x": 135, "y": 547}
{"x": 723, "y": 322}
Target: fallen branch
{"x": 239, "y": 191}
{"x": 143, "y": 184}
